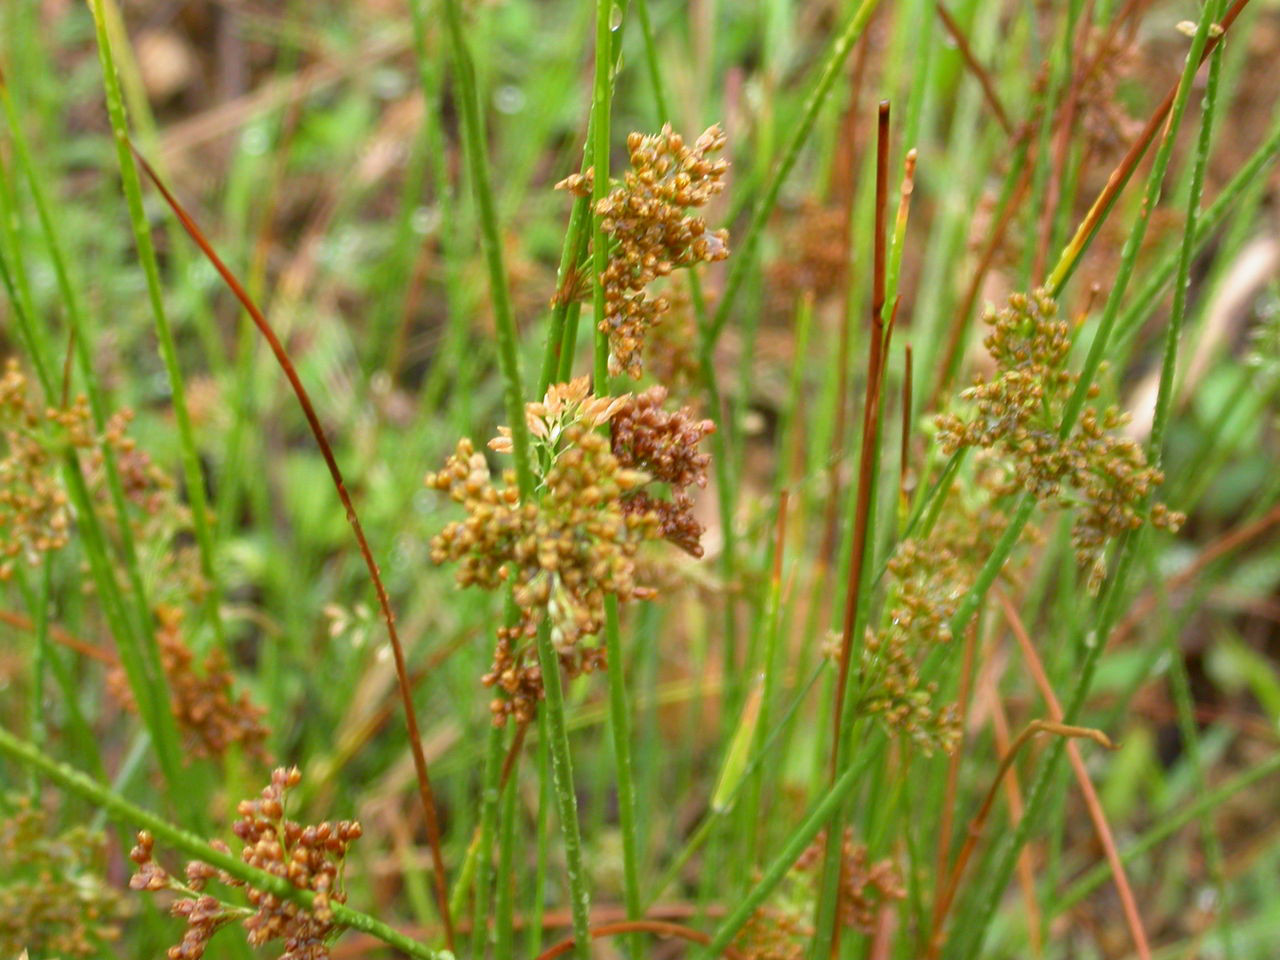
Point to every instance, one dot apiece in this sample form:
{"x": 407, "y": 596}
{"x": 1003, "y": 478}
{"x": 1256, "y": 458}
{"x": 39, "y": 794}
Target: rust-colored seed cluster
{"x": 209, "y": 714}
{"x": 576, "y": 542}
{"x": 1017, "y": 414}
{"x": 651, "y": 234}
{"x": 308, "y": 857}
{"x": 782, "y": 932}
{"x": 664, "y": 444}
{"x": 865, "y": 886}
{"x": 814, "y": 256}
{"x": 53, "y": 902}
{"x": 34, "y": 515}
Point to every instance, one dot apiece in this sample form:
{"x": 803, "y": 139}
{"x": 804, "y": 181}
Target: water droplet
{"x": 509, "y": 99}
{"x": 615, "y": 17}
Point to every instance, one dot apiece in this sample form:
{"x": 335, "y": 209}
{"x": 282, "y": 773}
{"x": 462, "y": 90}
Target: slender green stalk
{"x": 1164, "y": 401}
{"x": 489, "y": 802}
{"x": 1249, "y": 175}
{"x": 125, "y": 812}
{"x": 562, "y": 777}
{"x": 474, "y": 147}
{"x": 131, "y": 624}
{"x": 504, "y": 906}
{"x": 164, "y": 332}
{"x": 543, "y": 841}
{"x": 620, "y": 732}
{"x": 978, "y": 920}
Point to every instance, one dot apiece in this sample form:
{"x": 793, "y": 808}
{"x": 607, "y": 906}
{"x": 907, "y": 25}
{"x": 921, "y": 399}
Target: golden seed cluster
{"x": 35, "y": 518}
{"x": 576, "y": 542}
{"x": 53, "y": 902}
{"x": 926, "y": 581}
{"x": 309, "y": 857}
{"x": 562, "y": 553}
{"x": 1017, "y": 415}
{"x": 210, "y": 715}
{"x": 650, "y": 232}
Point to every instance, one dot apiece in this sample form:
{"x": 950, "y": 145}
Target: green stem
{"x": 620, "y": 729}
{"x": 562, "y": 779}
{"x": 796, "y": 844}
{"x": 131, "y": 626}
{"x": 164, "y": 332}
{"x": 489, "y": 802}
{"x": 122, "y": 810}
{"x": 474, "y": 146}
{"x": 1101, "y": 873}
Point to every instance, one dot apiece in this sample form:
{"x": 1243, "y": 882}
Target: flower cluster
{"x": 563, "y": 552}
{"x": 928, "y": 583}
{"x": 209, "y": 714}
{"x": 927, "y": 578}
{"x": 651, "y": 234}
{"x": 34, "y": 515}
{"x": 1018, "y": 412}
{"x": 664, "y": 444}
{"x": 575, "y": 542}
{"x": 52, "y": 900}
{"x": 308, "y": 857}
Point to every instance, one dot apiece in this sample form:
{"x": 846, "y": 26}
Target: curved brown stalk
{"x": 1124, "y": 891}
{"x": 335, "y": 473}
{"x": 979, "y": 821}
{"x": 660, "y": 928}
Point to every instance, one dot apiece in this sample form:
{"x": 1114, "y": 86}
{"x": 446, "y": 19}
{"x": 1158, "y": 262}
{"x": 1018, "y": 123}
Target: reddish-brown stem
{"x": 976, "y": 68}
{"x": 335, "y": 473}
{"x": 660, "y": 928}
{"x": 784, "y": 498}
{"x": 866, "y": 468}
{"x": 1127, "y": 900}
{"x": 979, "y": 821}
{"x": 869, "y": 420}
